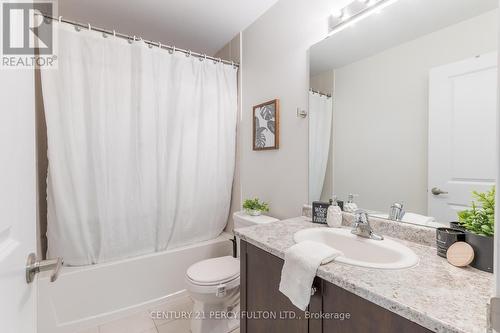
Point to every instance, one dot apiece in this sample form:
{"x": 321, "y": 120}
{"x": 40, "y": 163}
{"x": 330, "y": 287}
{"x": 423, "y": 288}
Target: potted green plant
{"x": 255, "y": 207}
{"x": 479, "y": 225}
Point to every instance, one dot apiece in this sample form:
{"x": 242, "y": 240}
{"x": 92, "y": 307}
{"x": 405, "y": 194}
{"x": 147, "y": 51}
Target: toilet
{"x": 214, "y": 286}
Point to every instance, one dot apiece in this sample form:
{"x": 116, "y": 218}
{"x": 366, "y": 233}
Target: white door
{"x": 17, "y": 199}
{"x": 462, "y": 134}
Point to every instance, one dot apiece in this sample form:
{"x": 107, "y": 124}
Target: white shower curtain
{"x": 141, "y": 148}
{"x": 320, "y": 128}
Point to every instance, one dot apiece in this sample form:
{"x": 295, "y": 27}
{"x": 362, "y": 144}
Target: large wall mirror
{"x": 402, "y": 109}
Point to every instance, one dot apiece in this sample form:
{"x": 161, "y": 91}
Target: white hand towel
{"x": 301, "y": 263}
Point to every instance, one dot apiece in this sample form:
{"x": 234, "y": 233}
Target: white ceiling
{"x": 402, "y": 21}
{"x": 203, "y": 26}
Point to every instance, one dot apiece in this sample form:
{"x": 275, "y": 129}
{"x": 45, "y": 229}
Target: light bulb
{"x": 338, "y": 14}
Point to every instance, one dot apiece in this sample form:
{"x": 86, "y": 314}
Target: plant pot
{"x": 456, "y": 225}
{"x": 483, "y": 251}
{"x": 254, "y": 212}
{"x": 445, "y": 237}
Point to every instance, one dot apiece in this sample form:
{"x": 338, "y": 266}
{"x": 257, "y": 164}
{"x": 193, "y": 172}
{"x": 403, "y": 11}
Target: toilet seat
{"x": 209, "y": 276}
{"x": 212, "y": 289}
{"x": 214, "y": 271}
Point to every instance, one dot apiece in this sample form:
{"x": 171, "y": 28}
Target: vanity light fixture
{"x": 355, "y": 12}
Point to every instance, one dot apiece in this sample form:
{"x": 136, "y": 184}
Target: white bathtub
{"x": 85, "y": 297}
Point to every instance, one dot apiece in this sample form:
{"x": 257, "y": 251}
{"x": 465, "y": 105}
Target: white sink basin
{"x": 358, "y": 251}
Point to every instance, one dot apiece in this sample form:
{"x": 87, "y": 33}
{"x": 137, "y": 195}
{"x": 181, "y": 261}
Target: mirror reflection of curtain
{"x": 320, "y": 129}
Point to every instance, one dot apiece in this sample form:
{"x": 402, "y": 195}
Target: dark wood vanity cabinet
{"x": 266, "y": 310}
{"x": 260, "y": 297}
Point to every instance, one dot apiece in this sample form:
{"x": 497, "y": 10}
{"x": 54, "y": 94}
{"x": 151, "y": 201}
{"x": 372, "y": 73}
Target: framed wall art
{"x": 266, "y": 123}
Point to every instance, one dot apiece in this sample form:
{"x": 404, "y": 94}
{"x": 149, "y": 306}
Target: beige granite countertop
{"x": 434, "y": 294}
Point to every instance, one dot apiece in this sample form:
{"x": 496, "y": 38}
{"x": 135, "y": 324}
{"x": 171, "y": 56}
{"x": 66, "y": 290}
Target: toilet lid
{"x": 214, "y": 271}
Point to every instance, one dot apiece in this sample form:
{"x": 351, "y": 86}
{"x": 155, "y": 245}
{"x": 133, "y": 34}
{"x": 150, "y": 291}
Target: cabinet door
{"x": 264, "y": 308}
{"x": 365, "y": 317}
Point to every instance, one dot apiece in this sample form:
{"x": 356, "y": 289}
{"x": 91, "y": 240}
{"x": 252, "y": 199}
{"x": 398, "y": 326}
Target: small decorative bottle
{"x": 334, "y": 215}
{"x": 350, "y": 206}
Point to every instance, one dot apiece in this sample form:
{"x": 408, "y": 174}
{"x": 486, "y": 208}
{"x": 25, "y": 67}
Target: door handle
{"x": 34, "y": 266}
{"x": 438, "y": 191}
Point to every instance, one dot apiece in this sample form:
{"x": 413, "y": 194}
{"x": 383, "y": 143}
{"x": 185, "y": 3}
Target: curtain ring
{"x": 105, "y": 35}
{"x": 232, "y": 63}
{"x": 159, "y": 45}
{"x": 220, "y": 61}
{"x": 60, "y": 19}
{"x": 77, "y": 28}
{"x": 89, "y": 26}
{"x": 188, "y": 54}
{"x": 202, "y": 57}
{"x": 114, "y": 33}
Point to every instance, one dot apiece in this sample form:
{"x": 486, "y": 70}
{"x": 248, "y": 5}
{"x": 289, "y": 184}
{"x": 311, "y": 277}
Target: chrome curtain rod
{"x": 171, "y": 49}
{"x": 320, "y": 93}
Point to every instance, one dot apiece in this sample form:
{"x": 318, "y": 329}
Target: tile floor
{"x": 142, "y": 323}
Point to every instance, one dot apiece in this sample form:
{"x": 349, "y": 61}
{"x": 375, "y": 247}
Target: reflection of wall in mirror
{"x": 324, "y": 82}
{"x": 387, "y": 111}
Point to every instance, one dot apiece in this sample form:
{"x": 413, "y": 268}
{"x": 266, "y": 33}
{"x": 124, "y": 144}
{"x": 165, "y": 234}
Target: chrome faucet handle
{"x": 361, "y": 226}
{"x": 361, "y": 216}
{"x": 401, "y": 214}
{"x": 396, "y": 212}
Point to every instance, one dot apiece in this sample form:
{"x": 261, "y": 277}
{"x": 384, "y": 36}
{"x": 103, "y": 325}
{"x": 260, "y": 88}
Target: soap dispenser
{"x": 350, "y": 206}
{"x": 334, "y": 214}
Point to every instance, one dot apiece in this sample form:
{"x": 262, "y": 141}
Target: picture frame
{"x": 266, "y": 121}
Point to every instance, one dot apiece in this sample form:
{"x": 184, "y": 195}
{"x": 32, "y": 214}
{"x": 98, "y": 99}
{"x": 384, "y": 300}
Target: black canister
{"x": 456, "y": 225}
{"x": 483, "y": 251}
{"x": 445, "y": 237}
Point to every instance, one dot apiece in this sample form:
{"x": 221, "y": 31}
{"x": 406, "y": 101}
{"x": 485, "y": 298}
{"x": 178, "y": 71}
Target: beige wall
{"x": 323, "y": 82}
{"x": 232, "y": 51}
{"x": 275, "y": 64}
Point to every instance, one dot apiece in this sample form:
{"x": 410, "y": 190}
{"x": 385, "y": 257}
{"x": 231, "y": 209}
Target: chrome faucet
{"x": 396, "y": 213}
{"x": 361, "y": 226}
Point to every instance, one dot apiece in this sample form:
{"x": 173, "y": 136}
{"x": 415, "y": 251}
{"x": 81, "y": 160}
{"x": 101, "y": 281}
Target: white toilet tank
{"x": 243, "y": 220}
